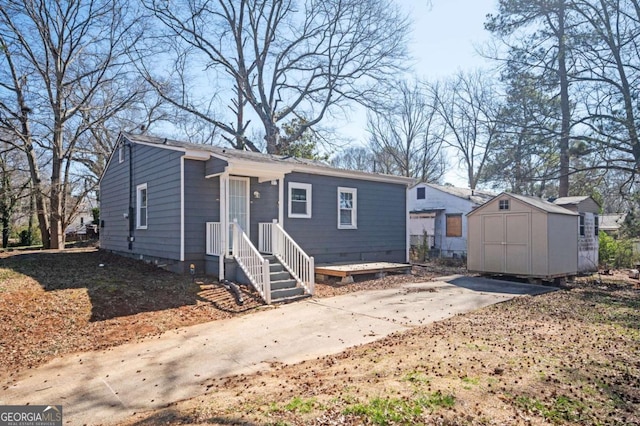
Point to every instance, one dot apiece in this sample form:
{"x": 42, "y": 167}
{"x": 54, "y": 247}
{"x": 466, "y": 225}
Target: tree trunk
{"x": 563, "y": 180}
{"x": 55, "y": 223}
{"x": 36, "y": 185}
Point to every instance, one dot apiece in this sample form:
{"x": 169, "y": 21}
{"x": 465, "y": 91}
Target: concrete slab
{"x": 108, "y": 386}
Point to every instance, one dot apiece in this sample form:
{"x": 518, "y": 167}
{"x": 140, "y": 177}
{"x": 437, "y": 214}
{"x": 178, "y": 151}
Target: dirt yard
{"x": 568, "y": 357}
{"x": 55, "y": 303}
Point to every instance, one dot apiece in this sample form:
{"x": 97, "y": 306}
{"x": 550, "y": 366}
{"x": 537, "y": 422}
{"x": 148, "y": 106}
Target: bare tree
{"x": 14, "y": 184}
{"x": 407, "y": 132}
{"x": 355, "y": 158}
{"x": 61, "y": 62}
{"x": 276, "y": 60}
{"x": 609, "y": 58}
{"x": 468, "y": 106}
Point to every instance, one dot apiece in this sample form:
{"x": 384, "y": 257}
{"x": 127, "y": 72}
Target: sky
{"x": 444, "y": 39}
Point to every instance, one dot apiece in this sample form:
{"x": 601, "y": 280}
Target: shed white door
{"x": 506, "y": 243}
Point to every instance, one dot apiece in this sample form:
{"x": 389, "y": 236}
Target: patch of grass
{"x": 416, "y": 377}
{"x": 471, "y": 380}
{"x": 559, "y": 410}
{"x": 300, "y": 405}
{"x": 296, "y": 405}
{"x": 386, "y": 411}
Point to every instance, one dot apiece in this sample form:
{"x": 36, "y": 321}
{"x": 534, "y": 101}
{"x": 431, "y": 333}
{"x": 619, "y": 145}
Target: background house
{"x": 588, "y": 228}
{"x": 437, "y": 216}
{"x": 611, "y": 223}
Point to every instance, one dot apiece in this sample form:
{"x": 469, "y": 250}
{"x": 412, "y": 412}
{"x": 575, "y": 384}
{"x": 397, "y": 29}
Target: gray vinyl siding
{"x": 160, "y": 170}
{"x": 263, "y": 209}
{"x": 381, "y": 220}
{"x": 215, "y": 166}
{"x": 114, "y": 204}
{"x": 201, "y": 205}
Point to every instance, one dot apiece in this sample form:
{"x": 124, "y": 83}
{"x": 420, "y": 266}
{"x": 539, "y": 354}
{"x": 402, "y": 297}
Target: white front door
{"x": 239, "y": 204}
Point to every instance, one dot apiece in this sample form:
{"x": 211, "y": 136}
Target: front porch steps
{"x": 284, "y": 288}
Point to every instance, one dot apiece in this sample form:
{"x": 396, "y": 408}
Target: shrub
{"x": 615, "y": 253}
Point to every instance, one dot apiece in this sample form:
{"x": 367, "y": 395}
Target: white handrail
{"x": 300, "y": 265}
{"x": 252, "y": 263}
{"x": 214, "y": 238}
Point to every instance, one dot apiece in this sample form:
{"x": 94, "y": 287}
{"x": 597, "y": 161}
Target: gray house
{"x": 255, "y": 218}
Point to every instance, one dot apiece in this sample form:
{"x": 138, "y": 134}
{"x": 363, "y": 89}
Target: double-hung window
{"x": 141, "y": 206}
{"x": 299, "y": 200}
{"x": 347, "y": 208}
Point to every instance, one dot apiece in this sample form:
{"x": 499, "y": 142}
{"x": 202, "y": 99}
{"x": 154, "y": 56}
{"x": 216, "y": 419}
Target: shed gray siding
{"x": 160, "y": 170}
{"x": 201, "y": 205}
{"x": 381, "y": 220}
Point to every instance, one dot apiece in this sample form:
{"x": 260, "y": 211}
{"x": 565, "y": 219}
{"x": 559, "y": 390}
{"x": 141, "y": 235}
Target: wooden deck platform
{"x": 346, "y": 271}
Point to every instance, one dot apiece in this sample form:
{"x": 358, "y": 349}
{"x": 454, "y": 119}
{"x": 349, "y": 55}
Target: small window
{"x": 454, "y": 225}
{"x": 141, "y": 206}
{"x": 347, "y": 208}
{"x": 421, "y": 194}
{"x": 121, "y": 153}
{"x": 503, "y": 205}
{"x": 596, "y": 225}
{"x": 299, "y": 200}
{"x": 582, "y": 224}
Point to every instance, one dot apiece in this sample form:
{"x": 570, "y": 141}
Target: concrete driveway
{"x": 107, "y": 386}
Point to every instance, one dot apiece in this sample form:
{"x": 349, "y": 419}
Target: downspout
{"x": 131, "y": 236}
{"x": 407, "y": 243}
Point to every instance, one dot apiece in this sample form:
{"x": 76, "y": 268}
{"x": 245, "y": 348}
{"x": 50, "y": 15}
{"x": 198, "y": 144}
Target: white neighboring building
{"x": 588, "y": 227}
{"x": 438, "y": 213}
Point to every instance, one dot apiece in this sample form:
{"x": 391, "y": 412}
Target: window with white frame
{"x": 347, "y": 208}
{"x": 581, "y": 225}
{"x": 141, "y": 206}
{"x": 299, "y": 200}
{"x": 503, "y": 205}
{"x": 121, "y": 153}
{"x": 421, "y": 194}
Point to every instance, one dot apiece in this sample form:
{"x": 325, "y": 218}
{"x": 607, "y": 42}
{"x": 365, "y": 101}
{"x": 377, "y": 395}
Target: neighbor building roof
{"x": 611, "y": 222}
{"x": 476, "y": 196}
{"x": 542, "y": 204}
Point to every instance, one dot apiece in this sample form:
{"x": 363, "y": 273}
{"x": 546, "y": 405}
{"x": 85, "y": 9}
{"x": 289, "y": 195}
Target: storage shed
{"x": 522, "y": 236}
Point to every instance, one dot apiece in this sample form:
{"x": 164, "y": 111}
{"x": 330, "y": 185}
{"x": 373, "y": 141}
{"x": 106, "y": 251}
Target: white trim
{"x": 139, "y": 188}
{"x": 281, "y": 201}
{"x": 354, "y": 207}
{"x": 182, "y": 209}
{"x": 308, "y": 202}
{"x": 224, "y": 224}
{"x": 247, "y": 182}
{"x": 121, "y": 153}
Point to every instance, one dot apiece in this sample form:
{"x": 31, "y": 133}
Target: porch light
{"x": 256, "y": 194}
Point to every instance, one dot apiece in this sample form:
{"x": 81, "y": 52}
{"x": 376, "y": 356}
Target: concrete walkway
{"x": 105, "y": 387}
